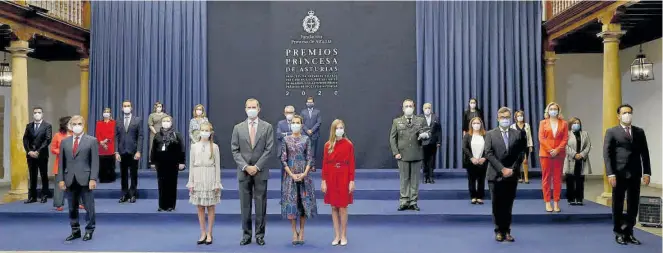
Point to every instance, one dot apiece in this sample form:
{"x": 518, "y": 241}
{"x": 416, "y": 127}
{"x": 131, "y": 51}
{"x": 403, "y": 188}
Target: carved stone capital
{"x": 550, "y": 57}
{"x": 84, "y": 64}
{"x": 20, "y": 32}
{"x": 611, "y": 35}
{"x": 19, "y": 48}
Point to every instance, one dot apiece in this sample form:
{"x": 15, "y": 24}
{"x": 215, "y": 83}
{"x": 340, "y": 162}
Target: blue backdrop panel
{"x": 487, "y": 50}
{"x": 148, "y": 51}
{"x": 376, "y": 67}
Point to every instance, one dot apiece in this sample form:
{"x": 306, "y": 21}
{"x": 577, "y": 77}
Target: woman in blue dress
{"x": 298, "y": 191}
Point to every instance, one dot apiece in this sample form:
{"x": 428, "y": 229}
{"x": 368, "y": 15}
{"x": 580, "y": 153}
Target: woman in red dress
{"x": 105, "y": 133}
{"x": 338, "y": 178}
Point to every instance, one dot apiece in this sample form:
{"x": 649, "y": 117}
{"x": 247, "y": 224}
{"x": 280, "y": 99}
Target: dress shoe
{"x": 414, "y": 207}
{"x": 343, "y": 242}
{"x": 170, "y": 209}
{"x": 402, "y": 208}
{"x": 245, "y": 241}
{"x": 132, "y": 199}
{"x": 335, "y": 242}
{"x": 44, "y": 199}
{"x": 431, "y": 181}
{"x": 201, "y": 241}
{"x": 73, "y": 236}
{"x": 260, "y": 241}
{"x": 509, "y": 238}
{"x": 208, "y": 242}
{"x": 59, "y": 209}
{"x": 123, "y": 199}
{"x": 579, "y": 203}
{"x": 426, "y": 180}
{"x": 87, "y": 236}
{"x": 632, "y": 240}
{"x": 480, "y": 201}
{"x": 160, "y": 209}
{"x": 30, "y": 200}
{"x": 572, "y": 203}
{"x": 474, "y": 201}
{"x": 620, "y": 239}
{"x": 499, "y": 237}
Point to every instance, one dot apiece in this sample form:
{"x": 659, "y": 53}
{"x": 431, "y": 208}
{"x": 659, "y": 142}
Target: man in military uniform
{"x": 407, "y": 133}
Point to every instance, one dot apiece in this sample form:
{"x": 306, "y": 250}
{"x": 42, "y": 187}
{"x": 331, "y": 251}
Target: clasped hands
{"x": 33, "y": 154}
{"x": 507, "y": 172}
{"x": 298, "y": 177}
{"x": 423, "y": 136}
{"x": 553, "y": 152}
{"x": 92, "y": 185}
{"x": 478, "y": 161}
{"x": 251, "y": 170}
{"x": 578, "y": 156}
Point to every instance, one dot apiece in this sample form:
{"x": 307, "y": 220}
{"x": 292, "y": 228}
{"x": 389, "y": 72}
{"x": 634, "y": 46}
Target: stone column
{"x": 85, "y": 96}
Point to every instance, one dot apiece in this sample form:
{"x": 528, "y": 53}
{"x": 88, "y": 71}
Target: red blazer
{"x": 547, "y": 141}
{"x": 55, "y": 149}
{"x": 106, "y": 130}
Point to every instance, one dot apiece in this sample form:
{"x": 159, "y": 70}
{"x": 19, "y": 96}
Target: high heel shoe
{"x": 343, "y": 242}
{"x": 335, "y": 242}
{"x": 210, "y": 240}
{"x": 548, "y": 207}
{"x": 296, "y": 240}
{"x": 556, "y": 208}
{"x": 199, "y": 242}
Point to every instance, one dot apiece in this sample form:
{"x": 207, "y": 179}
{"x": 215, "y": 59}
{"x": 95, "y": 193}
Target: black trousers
{"x": 38, "y": 165}
{"x": 476, "y": 180}
{"x": 129, "y": 166}
{"x": 429, "y": 160}
{"x": 629, "y": 188}
{"x": 575, "y": 187}
{"x": 76, "y": 193}
{"x": 503, "y": 193}
{"x": 167, "y": 181}
{"x": 107, "y": 169}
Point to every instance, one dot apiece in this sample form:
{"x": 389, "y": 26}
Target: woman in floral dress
{"x": 297, "y": 189}
{"x": 205, "y": 180}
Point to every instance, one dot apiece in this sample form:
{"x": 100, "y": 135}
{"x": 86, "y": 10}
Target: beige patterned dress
{"x": 204, "y": 175}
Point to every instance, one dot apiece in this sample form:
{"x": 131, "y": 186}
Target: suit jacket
{"x": 467, "y": 150}
{"x": 245, "y": 155}
{"x": 548, "y": 141}
{"x": 37, "y": 139}
{"x": 435, "y": 128}
{"x": 585, "y": 147}
{"x": 499, "y": 156}
{"x": 128, "y": 140}
{"x": 626, "y": 157}
{"x": 312, "y": 122}
{"x": 403, "y": 138}
{"x": 83, "y": 165}
{"x": 282, "y": 130}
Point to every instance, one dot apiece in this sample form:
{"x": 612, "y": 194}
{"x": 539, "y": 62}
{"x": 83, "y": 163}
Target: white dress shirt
{"x": 477, "y": 145}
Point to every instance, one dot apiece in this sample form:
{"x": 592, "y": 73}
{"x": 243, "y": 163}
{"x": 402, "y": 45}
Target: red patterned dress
{"x": 338, "y": 169}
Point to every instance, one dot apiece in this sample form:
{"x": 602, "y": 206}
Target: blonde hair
{"x": 211, "y": 137}
{"x": 196, "y": 108}
{"x": 482, "y": 130}
{"x": 559, "y": 111}
{"x": 332, "y": 134}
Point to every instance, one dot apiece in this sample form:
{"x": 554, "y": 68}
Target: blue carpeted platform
{"x": 446, "y": 219}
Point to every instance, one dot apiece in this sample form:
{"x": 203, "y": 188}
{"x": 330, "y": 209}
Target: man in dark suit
{"x": 251, "y": 145}
{"x": 36, "y": 139}
{"x": 312, "y": 121}
{"x": 504, "y": 149}
{"x": 431, "y": 144}
{"x": 129, "y": 143}
{"x": 283, "y": 127}
{"x": 626, "y": 158}
{"x": 79, "y": 171}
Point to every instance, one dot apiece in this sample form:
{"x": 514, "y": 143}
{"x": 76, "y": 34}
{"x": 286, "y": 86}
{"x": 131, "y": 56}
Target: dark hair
{"x": 126, "y": 101}
{"x": 64, "y": 122}
{"x": 476, "y": 108}
{"x": 37, "y": 108}
{"x": 622, "y": 106}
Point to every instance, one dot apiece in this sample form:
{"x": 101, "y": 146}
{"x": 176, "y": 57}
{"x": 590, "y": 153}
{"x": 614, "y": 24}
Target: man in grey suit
{"x": 505, "y": 150}
{"x": 79, "y": 170}
{"x": 407, "y": 133}
{"x": 252, "y": 142}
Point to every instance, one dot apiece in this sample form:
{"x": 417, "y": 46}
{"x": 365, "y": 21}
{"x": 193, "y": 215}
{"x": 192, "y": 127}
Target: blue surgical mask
{"x": 505, "y": 123}
{"x": 575, "y": 127}
{"x": 553, "y": 113}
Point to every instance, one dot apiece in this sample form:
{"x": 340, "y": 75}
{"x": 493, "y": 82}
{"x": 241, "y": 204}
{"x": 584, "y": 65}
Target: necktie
{"x": 252, "y": 133}
{"x": 505, "y": 136}
{"x": 409, "y": 120}
{"x": 126, "y": 123}
{"x": 75, "y": 144}
{"x": 36, "y": 126}
{"x": 310, "y": 113}
{"x": 628, "y": 133}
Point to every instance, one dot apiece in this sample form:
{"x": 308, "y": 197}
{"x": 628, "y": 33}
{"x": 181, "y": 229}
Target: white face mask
{"x": 408, "y": 111}
{"x": 427, "y": 112}
{"x": 205, "y": 134}
{"x": 296, "y": 128}
{"x": 473, "y": 105}
{"x": 340, "y": 132}
{"x": 126, "y": 110}
{"x": 166, "y": 124}
{"x": 199, "y": 112}
{"x": 159, "y": 109}
{"x": 106, "y": 115}
{"x": 626, "y": 118}
{"x": 37, "y": 116}
{"x": 252, "y": 113}
{"x": 289, "y": 116}
{"x": 520, "y": 118}
{"x": 476, "y": 127}
{"x": 77, "y": 129}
